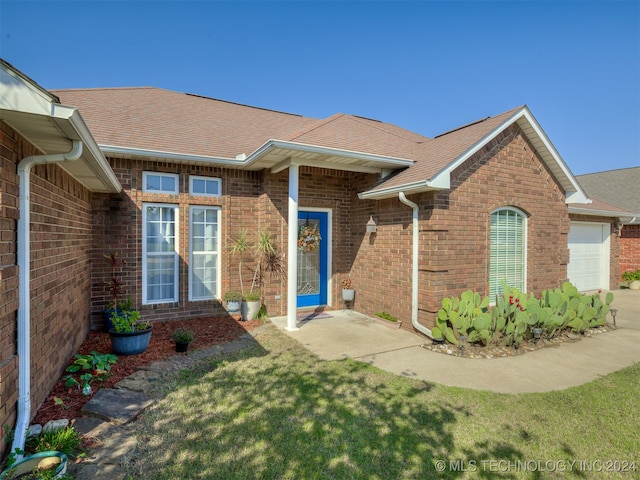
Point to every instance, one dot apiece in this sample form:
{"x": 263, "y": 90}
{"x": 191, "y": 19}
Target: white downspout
{"x": 24, "y": 289}
{"x": 414, "y": 267}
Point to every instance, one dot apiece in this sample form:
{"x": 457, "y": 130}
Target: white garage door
{"x": 588, "y": 267}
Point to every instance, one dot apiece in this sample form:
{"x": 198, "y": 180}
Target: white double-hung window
{"x": 204, "y": 259}
{"x": 508, "y": 251}
{"x": 159, "y": 253}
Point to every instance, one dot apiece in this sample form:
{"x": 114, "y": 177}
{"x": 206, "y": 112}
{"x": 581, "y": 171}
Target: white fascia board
{"x": 113, "y": 149}
{"x": 407, "y": 188}
{"x": 599, "y": 213}
{"x": 307, "y": 148}
{"x": 98, "y": 163}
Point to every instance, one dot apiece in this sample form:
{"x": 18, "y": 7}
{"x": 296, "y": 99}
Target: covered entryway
{"x": 588, "y": 267}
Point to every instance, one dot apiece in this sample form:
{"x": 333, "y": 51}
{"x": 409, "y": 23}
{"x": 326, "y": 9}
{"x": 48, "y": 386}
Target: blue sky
{"x": 423, "y": 65}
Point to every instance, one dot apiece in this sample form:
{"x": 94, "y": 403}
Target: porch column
{"x": 292, "y": 249}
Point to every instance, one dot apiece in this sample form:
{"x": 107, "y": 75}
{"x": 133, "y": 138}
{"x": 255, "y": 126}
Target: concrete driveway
{"x": 346, "y": 334}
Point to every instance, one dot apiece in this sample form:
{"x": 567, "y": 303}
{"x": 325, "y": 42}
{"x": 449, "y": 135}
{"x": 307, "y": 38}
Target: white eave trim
{"x": 180, "y": 157}
{"x": 599, "y": 213}
{"x": 411, "y": 188}
{"x": 307, "y": 148}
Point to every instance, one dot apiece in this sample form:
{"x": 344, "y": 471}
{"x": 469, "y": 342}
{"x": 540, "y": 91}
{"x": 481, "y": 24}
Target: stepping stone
{"x": 116, "y": 405}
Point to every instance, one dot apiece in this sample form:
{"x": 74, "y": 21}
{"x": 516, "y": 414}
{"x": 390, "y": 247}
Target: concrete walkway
{"x": 347, "y": 334}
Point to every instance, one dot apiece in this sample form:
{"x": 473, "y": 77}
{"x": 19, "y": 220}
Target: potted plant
{"x": 233, "y": 299}
{"x": 633, "y": 279}
{"x": 267, "y": 261}
{"x": 348, "y": 293}
{"x": 251, "y": 304}
{"x": 183, "y": 337}
{"x": 129, "y": 335}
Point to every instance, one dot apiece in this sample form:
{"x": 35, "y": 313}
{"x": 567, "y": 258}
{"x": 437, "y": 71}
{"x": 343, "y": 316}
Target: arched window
{"x": 508, "y": 250}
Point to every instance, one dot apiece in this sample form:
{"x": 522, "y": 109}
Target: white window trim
{"x": 145, "y": 301}
{"x": 218, "y": 253}
{"x": 160, "y": 174}
{"x": 206, "y": 179}
{"x": 525, "y": 241}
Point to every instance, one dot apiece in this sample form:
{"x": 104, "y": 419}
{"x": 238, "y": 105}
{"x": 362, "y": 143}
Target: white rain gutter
{"x": 24, "y": 289}
{"x": 414, "y": 267}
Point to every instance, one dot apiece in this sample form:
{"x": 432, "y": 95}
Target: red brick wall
{"x": 9, "y": 279}
{"x": 118, "y": 227}
{"x": 454, "y": 232}
{"x": 630, "y": 248}
{"x": 250, "y": 200}
{"x": 60, "y": 273}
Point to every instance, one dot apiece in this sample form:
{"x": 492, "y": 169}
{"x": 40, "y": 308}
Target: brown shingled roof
{"x": 161, "y": 120}
{"x": 444, "y": 149}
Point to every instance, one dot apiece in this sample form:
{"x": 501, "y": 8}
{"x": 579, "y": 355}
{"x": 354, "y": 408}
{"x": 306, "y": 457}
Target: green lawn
{"x": 276, "y": 411}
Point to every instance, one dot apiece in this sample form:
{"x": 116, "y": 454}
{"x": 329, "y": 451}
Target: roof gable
{"x": 446, "y": 152}
{"x": 53, "y": 128}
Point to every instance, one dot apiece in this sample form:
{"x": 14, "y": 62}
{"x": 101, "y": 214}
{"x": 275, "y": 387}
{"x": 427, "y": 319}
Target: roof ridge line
{"x": 242, "y": 104}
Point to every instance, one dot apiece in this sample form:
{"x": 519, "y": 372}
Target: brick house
{"x": 169, "y": 179}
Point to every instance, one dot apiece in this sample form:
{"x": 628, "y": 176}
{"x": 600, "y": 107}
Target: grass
{"x": 276, "y": 411}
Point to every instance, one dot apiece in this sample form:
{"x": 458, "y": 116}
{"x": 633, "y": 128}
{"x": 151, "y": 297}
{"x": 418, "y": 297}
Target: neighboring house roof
{"x": 600, "y": 208}
{"x": 617, "y": 187}
{"x": 52, "y": 128}
{"x": 180, "y": 127}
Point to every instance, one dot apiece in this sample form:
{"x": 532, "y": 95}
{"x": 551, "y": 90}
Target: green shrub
{"x": 631, "y": 276}
{"x": 183, "y": 335}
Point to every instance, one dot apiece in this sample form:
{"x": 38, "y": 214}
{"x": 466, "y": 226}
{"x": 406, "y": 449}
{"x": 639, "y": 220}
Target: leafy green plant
{"x": 183, "y": 335}
{"x": 96, "y": 367}
{"x": 232, "y": 297}
{"x": 457, "y": 316}
{"x": 252, "y": 297}
{"x": 386, "y": 316}
{"x": 631, "y": 276}
{"x": 66, "y": 440}
{"x": 128, "y": 321}
{"x": 93, "y": 361}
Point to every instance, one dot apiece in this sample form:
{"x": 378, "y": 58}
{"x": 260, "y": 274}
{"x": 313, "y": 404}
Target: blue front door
{"x": 312, "y": 258}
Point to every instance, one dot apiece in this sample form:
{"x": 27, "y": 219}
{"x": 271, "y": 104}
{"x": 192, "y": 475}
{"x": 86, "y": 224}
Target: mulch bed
{"x": 477, "y": 350}
{"x": 208, "y": 331}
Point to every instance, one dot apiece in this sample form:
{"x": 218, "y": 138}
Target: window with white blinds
{"x": 508, "y": 254}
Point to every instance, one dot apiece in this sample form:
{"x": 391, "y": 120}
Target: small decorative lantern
{"x": 537, "y": 333}
{"x": 614, "y": 312}
{"x": 371, "y": 225}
